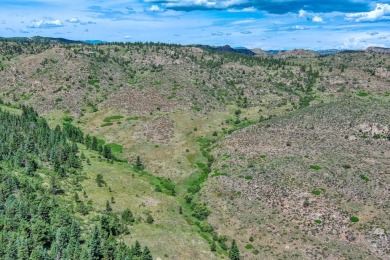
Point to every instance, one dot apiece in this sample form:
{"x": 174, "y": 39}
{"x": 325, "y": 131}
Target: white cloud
{"x": 46, "y": 24}
{"x": 217, "y": 33}
{"x": 155, "y": 8}
{"x": 206, "y": 3}
{"x": 359, "y": 42}
{"x": 310, "y": 16}
{"x": 171, "y": 13}
{"x": 73, "y": 20}
{"x": 380, "y": 13}
{"x": 317, "y": 19}
{"x": 303, "y": 14}
{"x": 127, "y": 37}
{"x": 245, "y": 10}
{"x": 293, "y": 28}
{"x": 246, "y": 21}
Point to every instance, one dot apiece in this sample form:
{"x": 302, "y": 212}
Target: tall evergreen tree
{"x": 12, "y": 249}
{"x": 23, "y": 253}
{"x": 60, "y": 243}
{"x": 146, "y": 255}
{"x": 39, "y": 253}
{"x": 94, "y": 252}
{"x": 234, "y": 253}
{"x": 136, "y": 249}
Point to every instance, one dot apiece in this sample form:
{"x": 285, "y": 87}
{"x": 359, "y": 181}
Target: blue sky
{"x": 271, "y": 24}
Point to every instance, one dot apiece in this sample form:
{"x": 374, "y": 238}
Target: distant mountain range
{"x": 225, "y": 48}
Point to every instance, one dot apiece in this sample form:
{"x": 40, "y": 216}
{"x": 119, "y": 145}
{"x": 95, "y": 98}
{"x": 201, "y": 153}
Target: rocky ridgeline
{"x": 378, "y": 50}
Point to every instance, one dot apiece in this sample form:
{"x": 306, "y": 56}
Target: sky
{"x": 263, "y": 24}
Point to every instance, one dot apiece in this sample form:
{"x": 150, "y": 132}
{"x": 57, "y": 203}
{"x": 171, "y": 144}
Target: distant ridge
{"x": 95, "y": 41}
{"x": 378, "y": 50}
{"x": 226, "y": 48}
{"x": 40, "y": 39}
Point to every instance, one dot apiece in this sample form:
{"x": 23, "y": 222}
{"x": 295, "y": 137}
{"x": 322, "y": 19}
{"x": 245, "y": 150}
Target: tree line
{"x": 35, "y": 221}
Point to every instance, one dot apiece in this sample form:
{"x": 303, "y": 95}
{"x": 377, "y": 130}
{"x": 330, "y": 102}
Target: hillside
{"x": 302, "y": 177}
{"x": 274, "y": 151}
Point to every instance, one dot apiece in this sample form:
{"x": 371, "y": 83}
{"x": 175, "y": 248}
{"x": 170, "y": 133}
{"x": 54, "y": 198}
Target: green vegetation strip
{"x": 108, "y": 119}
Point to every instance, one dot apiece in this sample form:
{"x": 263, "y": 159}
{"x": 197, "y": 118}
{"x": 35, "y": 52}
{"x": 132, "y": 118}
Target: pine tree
{"x": 94, "y": 144}
{"x": 107, "y": 152}
{"x": 234, "y": 253}
{"x": 136, "y": 249}
{"x": 127, "y": 216}
{"x": 23, "y": 253}
{"x": 213, "y": 247}
{"x": 39, "y": 253}
{"x": 94, "y": 246}
{"x": 139, "y": 164}
{"x": 108, "y": 206}
{"x": 73, "y": 244}
{"x": 12, "y": 250}
{"x": 146, "y": 255}
{"x": 60, "y": 243}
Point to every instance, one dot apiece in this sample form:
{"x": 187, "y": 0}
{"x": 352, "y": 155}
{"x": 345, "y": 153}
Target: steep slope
{"x": 295, "y": 183}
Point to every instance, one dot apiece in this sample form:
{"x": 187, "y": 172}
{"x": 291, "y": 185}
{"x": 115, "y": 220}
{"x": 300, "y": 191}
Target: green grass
{"x": 362, "y": 94}
{"x": 133, "y": 189}
{"x": 315, "y": 167}
{"x": 108, "y": 119}
{"x": 226, "y": 156}
{"x": 116, "y": 148}
{"x": 106, "y": 124}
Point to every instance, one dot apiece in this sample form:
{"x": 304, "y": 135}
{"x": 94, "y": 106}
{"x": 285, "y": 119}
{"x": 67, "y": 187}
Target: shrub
{"x": 318, "y": 221}
{"x": 364, "y": 177}
{"x": 315, "y": 167}
{"x": 106, "y": 124}
{"x": 347, "y": 166}
{"x": 149, "y": 219}
{"x": 354, "y": 219}
{"x": 316, "y": 192}
{"x": 249, "y": 246}
{"x": 127, "y": 216}
{"x": 201, "y": 212}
